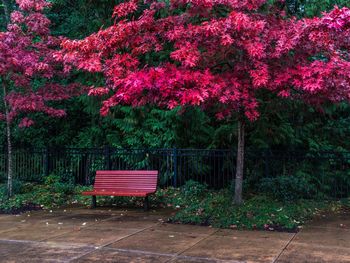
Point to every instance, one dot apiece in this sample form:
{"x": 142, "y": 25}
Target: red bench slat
{"x": 124, "y": 183}
{"x": 120, "y": 172}
{"x": 116, "y": 193}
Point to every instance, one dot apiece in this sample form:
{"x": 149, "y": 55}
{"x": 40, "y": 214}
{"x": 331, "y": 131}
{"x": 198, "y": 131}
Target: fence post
{"x": 47, "y": 162}
{"x": 107, "y": 153}
{"x": 175, "y": 154}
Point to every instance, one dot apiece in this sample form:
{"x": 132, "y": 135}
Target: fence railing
{"x": 318, "y": 172}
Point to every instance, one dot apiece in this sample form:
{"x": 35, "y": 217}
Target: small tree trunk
{"x": 9, "y": 145}
{"x": 238, "y": 200}
{"x": 9, "y": 158}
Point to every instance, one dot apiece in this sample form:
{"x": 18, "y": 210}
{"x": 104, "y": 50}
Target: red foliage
{"x": 27, "y": 53}
{"x": 216, "y": 59}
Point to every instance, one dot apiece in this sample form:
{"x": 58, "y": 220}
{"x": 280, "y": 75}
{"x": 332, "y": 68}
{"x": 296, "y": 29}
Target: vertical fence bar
{"x": 175, "y": 154}
{"x": 107, "y": 153}
{"x": 46, "y": 162}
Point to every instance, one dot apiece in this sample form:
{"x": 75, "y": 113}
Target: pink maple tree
{"x": 215, "y": 53}
{"x": 26, "y": 54}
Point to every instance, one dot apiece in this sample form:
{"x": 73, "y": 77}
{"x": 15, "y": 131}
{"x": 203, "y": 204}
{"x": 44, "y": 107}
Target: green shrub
{"x": 258, "y": 212}
{"x": 288, "y": 188}
{"x": 193, "y": 190}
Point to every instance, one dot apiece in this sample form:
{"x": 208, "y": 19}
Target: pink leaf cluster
{"x": 220, "y": 60}
{"x": 338, "y": 19}
{"x": 25, "y": 123}
{"x": 33, "y": 5}
{"x": 27, "y": 53}
{"x": 125, "y": 9}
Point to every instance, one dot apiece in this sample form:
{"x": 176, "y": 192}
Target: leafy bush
{"x": 288, "y": 188}
{"x": 52, "y": 193}
{"x": 258, "y": 212}
{"x": 194, "y": 190}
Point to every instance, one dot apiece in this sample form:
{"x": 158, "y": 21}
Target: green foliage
{"x": 194, "y": 203}
{"x": 52, "y": 193}
{"x": 193, "y": 189}
{"x": 258, "y": 212}
{"x": 288, "y": 188}
{"x": 312, "y": 8}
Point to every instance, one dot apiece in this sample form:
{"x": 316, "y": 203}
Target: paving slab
{"x": 158, "y": 241}
{"x": 315, "y": 243}
{"x": 241, "y": 246}
{"x": 111, "y": 255}
{"x": 39, "y": 252}
{"x": 78, "y": 219}
{"x": 189, "y": 229}
{"x": 341, "y": 221}
{"x": 263, "y": 235}
{"x": 26, "y": 219}
{"x": 128, "y": 222}
{"x": 327, "y": 237}
{"x": 35, "y": 232}
{"x": 95, "y": 236}
{"x": 184, "y": 259}
{"x": 313, "y": 253}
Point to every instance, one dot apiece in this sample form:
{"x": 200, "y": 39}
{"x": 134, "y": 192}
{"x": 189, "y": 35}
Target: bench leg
{"x": 93, "y": 203}
{"x": 146, "y": 204}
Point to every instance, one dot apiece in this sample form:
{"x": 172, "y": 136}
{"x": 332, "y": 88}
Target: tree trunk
{"x": 9, "y": 145}
{"x": 7, "y": 9}
{"x": 238, "y": 200}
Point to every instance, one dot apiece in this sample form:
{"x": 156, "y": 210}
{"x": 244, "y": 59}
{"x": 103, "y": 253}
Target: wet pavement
{"x": 112, "y": 235}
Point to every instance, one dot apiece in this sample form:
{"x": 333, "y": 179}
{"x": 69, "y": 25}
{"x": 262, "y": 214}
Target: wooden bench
{"x": 124, "y": 183}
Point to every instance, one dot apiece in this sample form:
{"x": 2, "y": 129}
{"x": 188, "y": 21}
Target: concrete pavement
{"x": 112, "y": 235}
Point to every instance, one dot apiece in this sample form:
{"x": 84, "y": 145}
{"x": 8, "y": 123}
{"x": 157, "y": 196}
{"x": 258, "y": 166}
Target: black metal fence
{"x": 326, "y": 173}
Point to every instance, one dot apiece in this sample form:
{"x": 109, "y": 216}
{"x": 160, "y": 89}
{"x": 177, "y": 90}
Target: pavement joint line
{"x": 286, "y": 246}
{"x": 184, "y": 250}
{"x": 107, "y": 244}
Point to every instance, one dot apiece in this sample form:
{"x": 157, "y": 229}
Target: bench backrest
{"x": 143, "y": 181}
